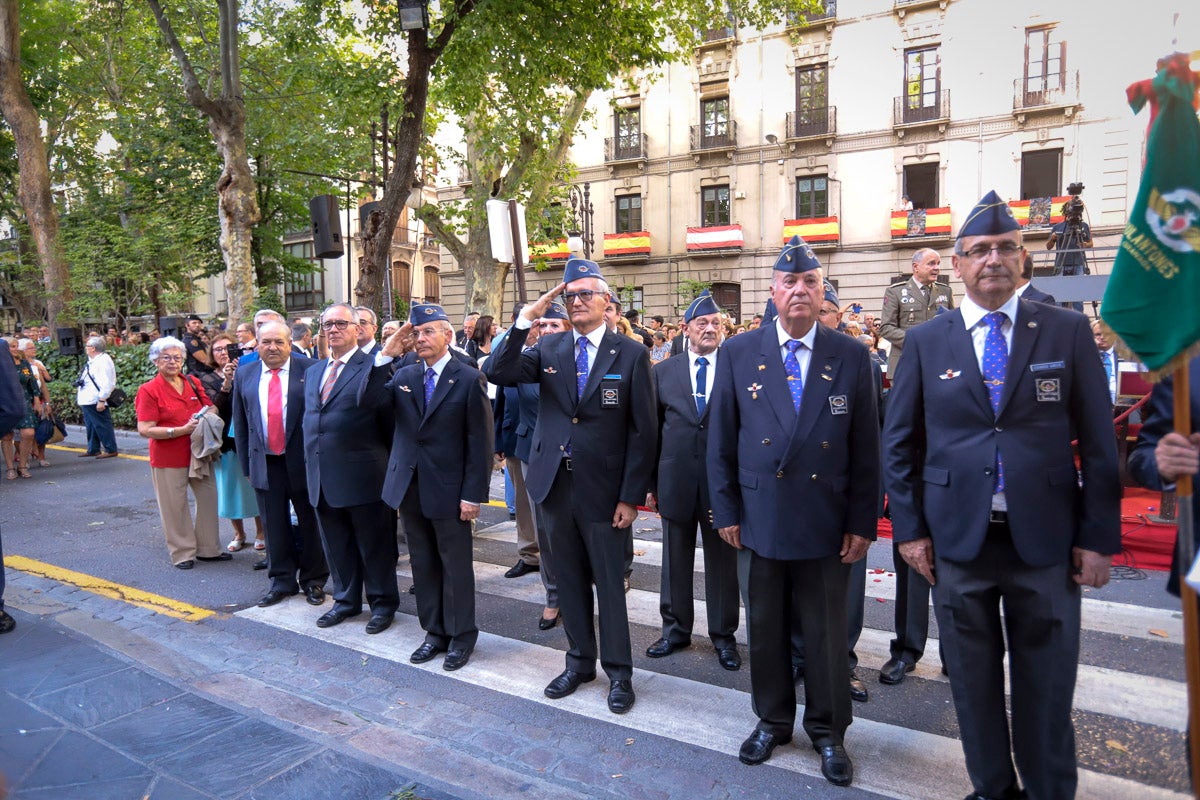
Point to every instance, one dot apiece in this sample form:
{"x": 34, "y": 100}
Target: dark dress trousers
{"x": 796, "y": 483}
{"x": 441, "y": 454}
{"x": 681, "y": 487}
{"x": 346, "y": 454}
{"x": 938, "y": 408}
{"x": 528, "y": 400}
{"x": 611, "y": 432}
{"x": 295, "y": 558}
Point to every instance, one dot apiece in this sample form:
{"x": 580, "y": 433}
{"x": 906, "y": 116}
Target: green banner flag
{"x": 1153, "y": 296}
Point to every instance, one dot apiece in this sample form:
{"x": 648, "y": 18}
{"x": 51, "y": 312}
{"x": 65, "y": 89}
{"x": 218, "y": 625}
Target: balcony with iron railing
{"x": 921, "y": 109}
{"x": 715, "y": 35}
{"x": 826, "y": 14}
{"x": 903, "y": 7}
{"x": 625, "y": 148}
{"x": 811, "y": 123}
{"x": 714, "y": 138}
{"x": 1046, "y": 94}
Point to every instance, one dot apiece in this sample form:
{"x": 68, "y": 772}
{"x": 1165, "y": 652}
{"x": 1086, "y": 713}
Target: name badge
{"x": 610, "y": 394}
{"x": 1047, "y": 365}
{"x": 1048, "y": 390}
{"x": 838, "y": 404}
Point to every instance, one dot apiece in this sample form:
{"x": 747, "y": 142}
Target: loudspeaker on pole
{"x": 171, "y": 326}
{"x": 68, "y": 341}
{"x": 326, "y": 226}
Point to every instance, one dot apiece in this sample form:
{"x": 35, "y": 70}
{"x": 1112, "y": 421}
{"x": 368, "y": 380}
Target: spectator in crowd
{"x": 612, "y": 312}
{"x": 246, "y": 338}
{"x": 368, "y": 324}
{"x": 197, "y": 357}
{"x": 35, "y": 395}
{"x": 877, "y": 357}
{"x": 635, "y": 324}
{"x": 114, "y": 335}
{"x": 43, "y": 378}
{"x": 95, "y": 384}
{"x": 479, "y": 344}
{"x": 1026, "y": 290}
{"x": 302, "y": 339}
{"x": 625, "y": 329}
{"x": 44, "y": 334}
{"x": 169, "y": 407}
{"x": 661, "y": 350}
{"x": 235, "y": 496}
{"x": 12, "y": 409}
{"x": 467, "y": 329}
{"x": 656, "y": 323}
{"x": 389, "y": 327}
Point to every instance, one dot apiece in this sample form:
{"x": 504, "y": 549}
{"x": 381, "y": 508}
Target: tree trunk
{"x": 237, "y": 207}
{"x": 484, "y": 277}
{"x": 33, "y": 187}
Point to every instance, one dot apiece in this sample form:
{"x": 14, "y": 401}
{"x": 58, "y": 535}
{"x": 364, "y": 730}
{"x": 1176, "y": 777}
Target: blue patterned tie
{"x": 430, "y": 385}
{"x": 581, "y": 368}
{"x": 701, "y": 384}
{"x": 995, "y": 365}
{"x": 791, "y": 365}
{"x": 1108, "y": 371}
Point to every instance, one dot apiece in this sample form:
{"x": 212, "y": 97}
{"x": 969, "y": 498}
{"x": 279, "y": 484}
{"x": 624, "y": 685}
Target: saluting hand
{"x": 539, "y": 307}
{"x": 918, "y": 554}
{"x": 394, "y": 346}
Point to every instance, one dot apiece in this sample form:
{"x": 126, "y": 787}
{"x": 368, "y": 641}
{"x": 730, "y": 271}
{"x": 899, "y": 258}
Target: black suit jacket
{"x": 346, "y": 439}
{"x": 448, "y": 443}
{"x": 12, "y": 396}
{"x": 528, "y": 398}
{"x": 613, "y": 447}
{"x": 681, "y": 473}
{"x": 248, "y": 431}
{"x": 1054, "y": 392}
{"x": 1036, "y": 295}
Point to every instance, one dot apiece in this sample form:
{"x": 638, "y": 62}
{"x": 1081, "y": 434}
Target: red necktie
{"x": 275, "y": 435}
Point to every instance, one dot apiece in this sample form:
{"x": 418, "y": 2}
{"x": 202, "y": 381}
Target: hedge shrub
{"x": 133, "y": 369}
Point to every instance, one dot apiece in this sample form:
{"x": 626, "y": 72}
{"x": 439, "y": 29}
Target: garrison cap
{"x": 796, "y": 256}
{"x": 428, "y": 312}
{"x": 770, "y": 312}
{"x": 831, "y": 294}
{"x": 702, "y": 306}
{"x": 556, "y": 311}
{"x": 989, "y": 217}
{"x": 578, "y": 268}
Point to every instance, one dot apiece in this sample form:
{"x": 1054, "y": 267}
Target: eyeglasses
{"x": 365, "y": 322}
{"x": 584, "y": 296}
{"x": 171, "y": 359}
{"x": 1005, "y": 250}
{"x": 340, "y": 324}
{"x": 826, "y": 311}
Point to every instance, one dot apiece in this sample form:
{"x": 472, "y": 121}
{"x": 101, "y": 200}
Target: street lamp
{"x": 580, "y": 237}
{"x": 414, "y": 14}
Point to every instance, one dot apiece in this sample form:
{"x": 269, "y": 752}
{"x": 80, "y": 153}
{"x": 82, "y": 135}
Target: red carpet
{"x": 1147, "y": 545}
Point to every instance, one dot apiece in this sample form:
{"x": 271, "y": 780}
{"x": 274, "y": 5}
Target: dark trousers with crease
{"x": 441, "y": 555}
{"x": 360, "y": 547}
{"x": 587, "y": 552}
{"x": 295, "y": 559}
{"x": 815, "y": 591}
{"x": 720, "y": 581}
{"x": 912, "y": 611}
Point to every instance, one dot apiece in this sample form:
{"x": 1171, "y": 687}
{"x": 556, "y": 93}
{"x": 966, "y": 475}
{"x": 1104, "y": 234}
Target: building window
{"x": 714, "y": 122}
{"x": 714, "y": 206}
{"x": 921, "y": 184}
{"x": 631, "y": 297}
{"x": 628, "y": 123}
{"x": 629, "y": 213}
{"x": 304, "y": 292}
{"x": 728, "y": 297}
{"x": 922, "y": 85}
{"x": 401, "y": 281}
{"x": 812, "y": 197}
{"x": 812, "y": 101}
{"x": 433, "y": 285}
{"x": 1045, "y": 64}
{"x": 1041, "y": 173}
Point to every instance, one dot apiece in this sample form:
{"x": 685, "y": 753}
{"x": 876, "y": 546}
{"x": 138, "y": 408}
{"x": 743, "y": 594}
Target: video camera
{"x": 1073, "y": 208}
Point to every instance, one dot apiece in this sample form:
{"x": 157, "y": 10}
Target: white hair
{"x": 164, "y": 343}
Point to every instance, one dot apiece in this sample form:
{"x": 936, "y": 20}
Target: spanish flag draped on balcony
{"x": 1158, "y": 264}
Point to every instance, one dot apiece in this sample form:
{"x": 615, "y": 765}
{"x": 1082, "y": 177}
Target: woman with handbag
{"x": 169, "y": 407}
{"x": 43, "y": 378}
{"x": 34, "y": 398}
{"x": 96, "y": 386}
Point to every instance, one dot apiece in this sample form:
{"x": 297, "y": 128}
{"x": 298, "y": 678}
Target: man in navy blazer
{"x": 347, "y": 428}
{"x": 1026, "y": 290}
{"x": 683, "y": 387}
{"x": 793, "y": 471}
{"x": 590, "y": 466}
{"x": 438, "y": 476}
{"x": 987, "y": 503}
{"x": 270, "y": 449}
{"x": 12, "y": 408}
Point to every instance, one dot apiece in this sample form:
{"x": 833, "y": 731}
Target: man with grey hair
{"x": 95, "y": 384}
{"x": 302, "y": 342}
{"x": 368, "y": 323}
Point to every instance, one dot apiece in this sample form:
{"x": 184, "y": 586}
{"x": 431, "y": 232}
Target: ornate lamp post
{"x": 581, "y": 237}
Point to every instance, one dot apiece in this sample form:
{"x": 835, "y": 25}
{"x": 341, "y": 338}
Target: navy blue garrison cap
{"x": 702, "y": 306}
{"x": 556, "y": 311}
{"x": 796, "y": 256}
{"x": 770, "y": 312}
{"x": 578, "y": 268}
{"x": 989, "y": 217}
{"x": 429, "y": 312}
{"x": 831, "y": 294}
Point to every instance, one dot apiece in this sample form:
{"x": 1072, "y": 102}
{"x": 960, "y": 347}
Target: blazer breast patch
{"x": 838, "y": 404}
{"x": 1048, "y": 390}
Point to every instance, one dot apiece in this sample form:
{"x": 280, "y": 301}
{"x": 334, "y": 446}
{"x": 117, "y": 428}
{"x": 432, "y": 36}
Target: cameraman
{"x": 1070, "y": 237}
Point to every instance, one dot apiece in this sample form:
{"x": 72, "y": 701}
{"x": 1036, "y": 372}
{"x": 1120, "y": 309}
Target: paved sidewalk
{"x": 80, "y": 721}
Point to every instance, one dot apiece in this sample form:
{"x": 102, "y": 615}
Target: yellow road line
{"x": 497, "y": 503}
{"x": 84, "y": 450}
{"x": 90, "y": 583}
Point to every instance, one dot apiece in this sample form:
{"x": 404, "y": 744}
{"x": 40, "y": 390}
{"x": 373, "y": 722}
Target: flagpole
{"x": 1184, "y": 543}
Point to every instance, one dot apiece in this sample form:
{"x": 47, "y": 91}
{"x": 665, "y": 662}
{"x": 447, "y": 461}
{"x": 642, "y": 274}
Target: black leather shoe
{"x": 315, "y": 595}
{"x": 185, "y": 564}
{"x": 260, "y": 564}
{"x": 546, "y": 624}
{"x": 456, "y": 659}
{"x": 797, "y": 673}
{"x": 1012, "y": 793}
{"x": 664, "y": 647}
{"x": 620, "y": 696}
{"x": 894, "y": 671}
{"x": 566, "y": 683}
{"x": 729, "y": 658}
{"x": 378, "y": 623}
{"x": 424, "y": 653}
{"x": 7, "y": 623}
{"x": 858, "y": 689}
{"x": 835, "y": 765}
{"x": 271, "y": 598}
{"x": 334, "y": 617}
{"x": 945, "y": 670}
{"x": 759, "y": 746}
{"x": 519, "y": 569}
{"x": 221, "y": 557}
{"x": 412, "y": 589}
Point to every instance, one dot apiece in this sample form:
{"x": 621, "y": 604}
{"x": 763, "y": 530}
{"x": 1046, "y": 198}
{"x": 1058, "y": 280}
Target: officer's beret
{"x": 428, "y": 312}
{"x": 831, "y": 294}
{"x": 989, "y": 217}
{"x": 702, "y": 306}
{"x": 796, "y": 256}
{"x": 578, "y": 268}
{"x": 556, "y": 311}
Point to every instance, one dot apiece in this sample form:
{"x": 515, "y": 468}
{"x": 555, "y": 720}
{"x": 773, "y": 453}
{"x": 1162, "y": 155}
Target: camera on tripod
{"x": 1073, "y": 208}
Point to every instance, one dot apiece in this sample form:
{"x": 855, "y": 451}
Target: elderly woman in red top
{"x": 168, "y": 410}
